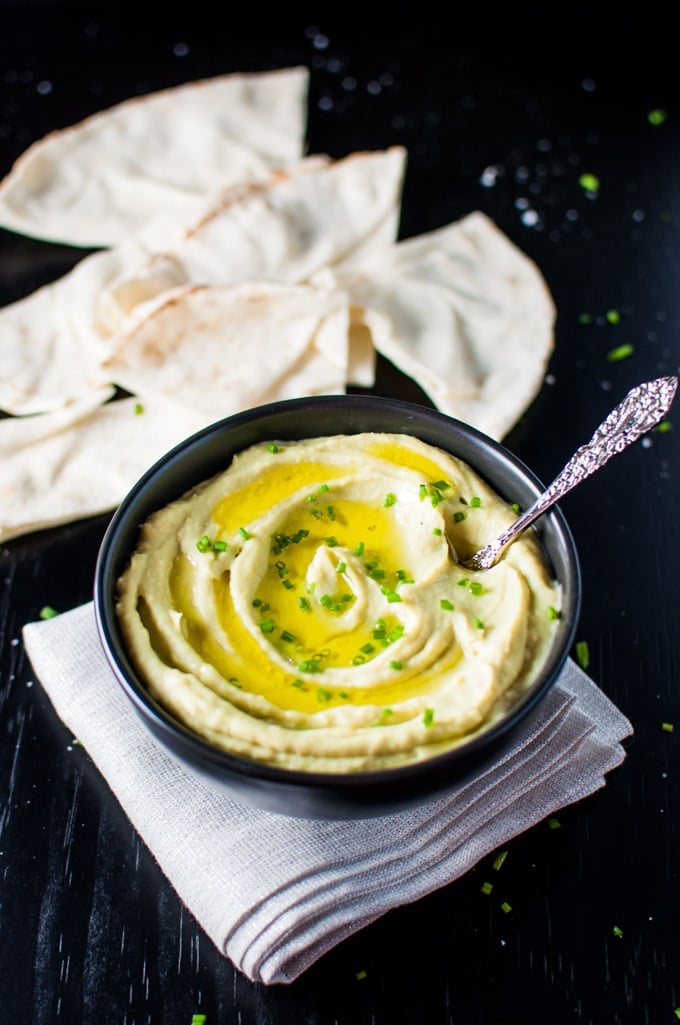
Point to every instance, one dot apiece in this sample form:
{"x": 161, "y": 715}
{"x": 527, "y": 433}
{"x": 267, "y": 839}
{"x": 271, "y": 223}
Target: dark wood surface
{"x": 90, "y": 931}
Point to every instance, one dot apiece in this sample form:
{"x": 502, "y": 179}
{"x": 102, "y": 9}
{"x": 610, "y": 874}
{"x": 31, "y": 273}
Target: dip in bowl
{"x": 282, "y": 598}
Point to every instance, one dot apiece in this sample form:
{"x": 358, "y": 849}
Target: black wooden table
{"x": 502, "y": 115}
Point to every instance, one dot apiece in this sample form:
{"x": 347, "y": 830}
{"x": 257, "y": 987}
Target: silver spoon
{"x": 642, "y": 408}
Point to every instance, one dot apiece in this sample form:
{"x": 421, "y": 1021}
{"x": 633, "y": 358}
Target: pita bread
{"x": 221, "y": 348}
{"x": 463, "y": 312}
{"x": 93, "y": 184}
{"x": 53, "y": 342}
{"x": 81, "y": 460}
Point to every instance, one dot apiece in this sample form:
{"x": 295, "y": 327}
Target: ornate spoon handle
{"x": 642, "y": 408}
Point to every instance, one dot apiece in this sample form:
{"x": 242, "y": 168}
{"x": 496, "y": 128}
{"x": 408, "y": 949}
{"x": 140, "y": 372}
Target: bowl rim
{"x": 168, "y": 728}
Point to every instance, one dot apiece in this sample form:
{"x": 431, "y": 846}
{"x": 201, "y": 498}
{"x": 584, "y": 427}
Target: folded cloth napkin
{"x": 275, "y": 893}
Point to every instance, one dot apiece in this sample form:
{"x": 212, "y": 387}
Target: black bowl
{"x": 321, "y": 795}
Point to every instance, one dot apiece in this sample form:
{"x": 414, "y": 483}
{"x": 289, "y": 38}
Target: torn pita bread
{"x": 222, "y": 348}
{"x": 320, "y": 213}
{"x": 81, "y": 460}
{"x": 93, "y": 184}
{"x": 463, "y": 312}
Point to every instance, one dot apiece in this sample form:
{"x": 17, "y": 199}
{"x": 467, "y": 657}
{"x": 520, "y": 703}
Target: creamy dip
{"x": 307, "y": 607}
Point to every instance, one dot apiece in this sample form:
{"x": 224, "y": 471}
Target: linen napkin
{"x": 275, "y": 893}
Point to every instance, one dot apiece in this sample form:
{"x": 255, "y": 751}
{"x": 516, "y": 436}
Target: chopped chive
{"x": 664, "y": 427}
{"x": 287, "y": 636}
{"x": 288, "y": 584}
{"x": 323, "y": 695}
{"x": 204, "y": 544}
{"x": 273, "y": 448}
{"x": 499, "y": 860}
{"x": 323, "y": 487}
{"x": 476, "y": 588}
{"x": 396, "y": 664}
{"x": 657, "y": 117}
{"x": 297, "y": 682}
{"x": 422, "y": 492}
{"x": 458, "y": 517}
{"x": 617, "y": 931}
{"x": 613, "y": 316}
{"x": 199, "y": 1019}
{"x": 330, "y": 512}
{"x": 583, "y": 654}
{"x": 554, "y": 823}
{"x": 463, "y": 582}
{"x": 441, "y": 485}
{"x": 139, "y": 408}
{"x": 360, "y": 974}
{"x": 360, "y": 548}
{"x": 304, "y": 604}
{"x": 505, "y": 907}
{"x": 367, "y": 648}
{"x": 447, "y": 605}
{"x": 428, "y": 717}
{"x": 267, "y": 626}
{"x": 244, "y": 533}
{"x": 516, "y": 508}
{"x": 620, "y": 352}
{"x": 585, "y": 318}
{"x": 437, "y": 531}
{"x": 589, "y": 182}
{"x": 331, "y": 541}
{"x": 341, "y": 567}
{"x": 475, "y": 502}
{"x": 220, "y": 546}
{"x": 478, "y": 622}
{"x": 47, "y": 612}
{"x": 486, "y": 888}
{"x": 311, "y": 498}
{"x": 667, "y": 727}
{"x": 554, "y": 613}
{"x": 389, "y": 499}
{"x": 310, "y": 665}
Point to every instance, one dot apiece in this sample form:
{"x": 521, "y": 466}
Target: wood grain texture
{"x": 90, "y": 931}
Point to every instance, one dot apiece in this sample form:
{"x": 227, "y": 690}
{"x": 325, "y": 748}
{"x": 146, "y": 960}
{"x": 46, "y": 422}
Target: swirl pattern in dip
{"x": 307, "y": 607}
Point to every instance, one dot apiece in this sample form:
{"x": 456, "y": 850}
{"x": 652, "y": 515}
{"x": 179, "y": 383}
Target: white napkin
{"x": 275, "y": 893}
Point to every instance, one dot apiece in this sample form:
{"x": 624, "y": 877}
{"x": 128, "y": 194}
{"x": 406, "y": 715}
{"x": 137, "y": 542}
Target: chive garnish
{"x": 446, "y": 604}
{"x": 505, "y": 907}
{"x": 310, "y": 665}
{"x": 478, "y": 622}
{"x": 204, "y": 544}
{"x": 287, "y": 636}
{"x": 667, "y": 727}
{"x": 554, "y": 613}
{"x": 620, "y": 352}
{"x": 47, "y": 612}
{"x": 428, "y": 717}
{"x": 273, "y": 448}
{"x": 499, "y": 860}
{"x": 267, "y": 626}
{"x": 244, "y": 533}
{"x": 220, "y": 546}
{"x": 458, "y": 517}
{"x": 390, "y": 499}
{"x": 486, "y": 888}
{"x": 323, "y": 695}
{"x": 360, "y": 548}
{"x": 475, "y": 502}
{"x": 304, "y": 604}
{"x": 582, "y": 654}
{"x": 396, "y": 664}
{"x": 476, "y": 588}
